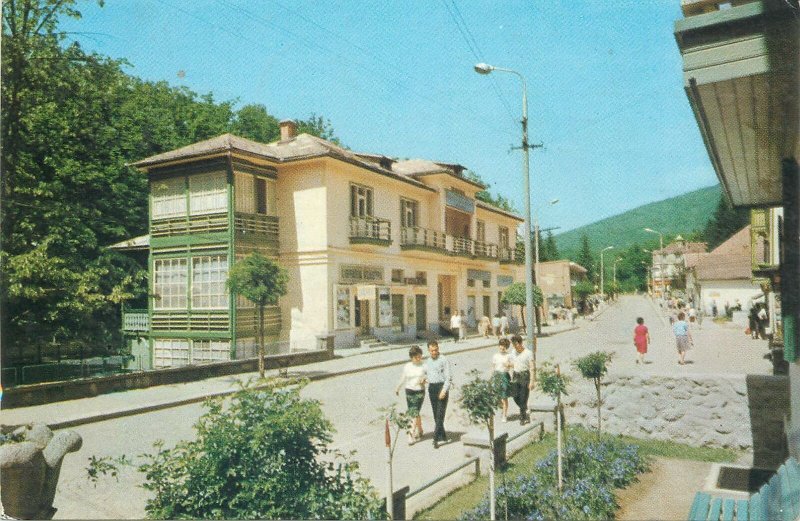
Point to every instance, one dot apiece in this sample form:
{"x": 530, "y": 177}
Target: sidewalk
{"x": 71, "y": 413}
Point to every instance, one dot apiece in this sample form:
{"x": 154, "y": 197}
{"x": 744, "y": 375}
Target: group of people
{"x": 436, "y": 374}
{"x": 681, "y": 329}
{"x": 513, "y": 371}
{"x": 498, "y": 326}
{"x": 758, "y": 321}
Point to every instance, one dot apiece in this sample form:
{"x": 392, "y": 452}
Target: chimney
{"x": 288, "y": 130}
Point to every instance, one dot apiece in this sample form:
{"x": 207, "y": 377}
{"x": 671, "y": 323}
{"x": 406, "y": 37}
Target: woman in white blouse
{"x": 414, "y": 378}
{"x": 502, "y": 368}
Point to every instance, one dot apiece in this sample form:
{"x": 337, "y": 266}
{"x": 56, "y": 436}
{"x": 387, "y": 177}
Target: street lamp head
{"x": 483, "y": 68}
{"x": 554, "y": 201}
{"x": 608, "y": 248}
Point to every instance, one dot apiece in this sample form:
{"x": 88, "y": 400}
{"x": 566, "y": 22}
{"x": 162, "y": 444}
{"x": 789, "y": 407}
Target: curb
{"x": 196, "y": 399}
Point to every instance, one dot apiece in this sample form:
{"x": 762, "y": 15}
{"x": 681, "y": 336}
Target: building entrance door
{"x": 487, "y": 306}
{"x": 422, "y": 319}
{"x": 362, "y": 316}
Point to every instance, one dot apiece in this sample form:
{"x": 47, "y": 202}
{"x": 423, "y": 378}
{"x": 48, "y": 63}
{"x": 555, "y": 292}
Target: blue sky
{"x": 604, "y": 84}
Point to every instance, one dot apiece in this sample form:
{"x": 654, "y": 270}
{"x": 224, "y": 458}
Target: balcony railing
{"x": 135, "y": 320}
{"x": 209, "y": 223}
{"x": 370, "y": 230}
{"x": 417, "y": 238}
{"x": 509, "y": 256}
{"x": 414, "y": 237}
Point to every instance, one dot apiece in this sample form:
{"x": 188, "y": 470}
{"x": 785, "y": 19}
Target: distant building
{"x": 669, "y": 263}
{"x": 723, "y": 276}
{"x": 557, "y": 280}
{"x": 376, "y": 249}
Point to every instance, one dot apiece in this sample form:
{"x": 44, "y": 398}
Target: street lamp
{"x": 530, "y": 340}
{"x": 536, "y": 239}
{"x": 602, "y": 287}
{"x": 661, "y": 257}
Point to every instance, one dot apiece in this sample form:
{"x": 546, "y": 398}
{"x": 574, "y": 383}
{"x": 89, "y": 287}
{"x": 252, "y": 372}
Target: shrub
{"x": 260, "y": 457}
{"x": 593, "y": 469}
{"x": 593, "y": 367}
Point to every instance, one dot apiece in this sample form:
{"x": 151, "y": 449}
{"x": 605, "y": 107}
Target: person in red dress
{"x": 641, "y": 339}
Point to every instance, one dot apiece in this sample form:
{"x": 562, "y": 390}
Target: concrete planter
{"x": 30, "y": 470}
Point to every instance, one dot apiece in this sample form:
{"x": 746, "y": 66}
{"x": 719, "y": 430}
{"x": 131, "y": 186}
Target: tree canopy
{"x": 72, "y": 121}
{"x": 725, "y": 221}
{"x": 586, "y": 258}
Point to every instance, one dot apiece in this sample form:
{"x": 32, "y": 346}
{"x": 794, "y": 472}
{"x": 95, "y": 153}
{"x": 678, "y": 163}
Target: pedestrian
{"x": 503, "y": 324}
{"x": 683, "y": 338}
{"x": 763, "y": 320}
{"x": 692, "y": 314}
{"x": 641, "y": 339}
{"x": 440, "y": 378}
{"x": 752, "y": 322}
{"x": 700, "y": 315}
{"x": 574, "y": 314}
{"x": 714, "y": 310}
{"x": 502, "y": 368}
{"x": 496, "y": 325}
{"x": 484, "y": 326}
{"x": 455, "y": 326}
{"x": 522, "y": 377}
{"x": 462, "y": 326}
{"x": 413, "y": 380}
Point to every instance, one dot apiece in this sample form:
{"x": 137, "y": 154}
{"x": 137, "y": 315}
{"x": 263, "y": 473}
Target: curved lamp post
{"x": 530, "y": 336}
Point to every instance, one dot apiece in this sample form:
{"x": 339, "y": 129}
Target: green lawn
{"x": 468, "y": 496}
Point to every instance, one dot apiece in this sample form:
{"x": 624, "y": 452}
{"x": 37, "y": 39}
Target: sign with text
{"x": 359, "y": 273}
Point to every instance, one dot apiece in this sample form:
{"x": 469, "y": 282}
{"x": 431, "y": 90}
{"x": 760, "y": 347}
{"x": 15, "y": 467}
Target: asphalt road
{"x": 352, "y": 403}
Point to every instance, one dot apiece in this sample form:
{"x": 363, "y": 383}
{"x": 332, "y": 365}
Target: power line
{"x": 463, "y": 28}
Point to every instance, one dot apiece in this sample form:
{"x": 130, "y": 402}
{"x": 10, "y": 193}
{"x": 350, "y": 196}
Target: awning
{"x": 136, "y": 244}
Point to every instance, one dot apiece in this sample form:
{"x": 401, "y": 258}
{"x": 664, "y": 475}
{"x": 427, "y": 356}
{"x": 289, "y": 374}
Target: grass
{"x": 523, "y": 462}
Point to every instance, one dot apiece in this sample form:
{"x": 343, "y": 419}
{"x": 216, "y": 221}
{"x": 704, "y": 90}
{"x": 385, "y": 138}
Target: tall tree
{"x": 724, "y": 223}
{"x": 586, "y": 258}
{"x": 550, "y": 248}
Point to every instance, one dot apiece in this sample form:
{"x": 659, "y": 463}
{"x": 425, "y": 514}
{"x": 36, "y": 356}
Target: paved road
{"x": 352, "y": 402}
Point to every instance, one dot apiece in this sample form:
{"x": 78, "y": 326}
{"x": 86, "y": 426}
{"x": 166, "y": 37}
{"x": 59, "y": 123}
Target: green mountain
{"x": 683, "y": 215}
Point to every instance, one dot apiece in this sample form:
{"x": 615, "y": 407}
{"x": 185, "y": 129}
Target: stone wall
{"x": 733, "y": 411}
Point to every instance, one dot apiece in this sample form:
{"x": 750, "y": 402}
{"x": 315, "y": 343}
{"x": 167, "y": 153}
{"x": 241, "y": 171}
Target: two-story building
{"x": 374, "y": 247}
{"x": 557, "y": 279}
{"x": 669, "y": 263}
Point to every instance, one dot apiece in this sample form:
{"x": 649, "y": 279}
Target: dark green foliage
{"x": 480, "y": 398}
{"x": 682, "y": 215}
{"x": 593, "y": 470}
{"x": 593, "y": 367}
{"x": 72, "y": 121}
{"x": 263, "y": 456}
{"x": 724, "y": 223}
{"x": 548, "y": 249}
{"x": 515, "y": 295}
{"x": 583, "y": 289}
{"x": 586, "y": 258}
{"x": 551, "y": 382}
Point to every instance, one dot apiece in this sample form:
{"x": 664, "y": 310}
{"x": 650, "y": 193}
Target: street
{"x": 352, "y": 402}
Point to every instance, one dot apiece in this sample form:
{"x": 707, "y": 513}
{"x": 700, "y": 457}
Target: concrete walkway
{"x": 71, "y": 413}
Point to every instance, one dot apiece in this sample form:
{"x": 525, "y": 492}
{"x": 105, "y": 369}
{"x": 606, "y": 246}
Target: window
{"x": 503, "y": 237}
{"x": 481, "y": 231}
{"x": 360, "y": 201}
{"x": 204, "y": 351}
{"x": 487, "y": 283}
{"x": 170, "y": 282}
{"x": 168, "y": 198}
{"x": 208, "y": 282}
{"x": 170, "y": 353}
{"x": 208, "y": 193}
{"x": 408, "y": 213}
{"x": 397, "y": 275}
{"x": 254, "y": 194}
{"x": 422, "y": 278}
{"x": 470, "y": 283}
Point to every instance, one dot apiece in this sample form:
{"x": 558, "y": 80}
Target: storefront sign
{"x": 365, "y": 292}
{"x": 358, "y": 273}
{"x": 479, "y": 275}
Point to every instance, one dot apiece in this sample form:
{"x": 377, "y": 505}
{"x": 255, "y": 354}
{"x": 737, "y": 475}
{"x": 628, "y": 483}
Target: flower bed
{"x": 593, "y": 469}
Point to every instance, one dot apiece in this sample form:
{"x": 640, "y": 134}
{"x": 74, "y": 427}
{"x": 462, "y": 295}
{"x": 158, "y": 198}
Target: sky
{"x": 604, "y": 81}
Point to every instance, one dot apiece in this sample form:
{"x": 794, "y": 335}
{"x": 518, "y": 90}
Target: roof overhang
{"x": 740, "y": 69}
{"x": 141, "y": 243}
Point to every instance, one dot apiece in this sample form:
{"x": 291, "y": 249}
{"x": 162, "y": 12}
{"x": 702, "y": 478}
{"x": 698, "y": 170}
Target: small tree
{"x": 481, "y": 398}
{"x": 554, "y": 384}
{"x": 397, "y": 421}
{"x": 260, "y": 456}
{"x": 261, "y": 281}
{"x": 583, "y": 289}
{"x": 515, "y": 295}
{"x": 593, "y": 367}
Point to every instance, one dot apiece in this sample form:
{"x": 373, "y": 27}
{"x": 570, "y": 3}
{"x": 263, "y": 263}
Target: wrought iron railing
{"x": 370, "y": 229}
{"x": 411, "y": 236}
